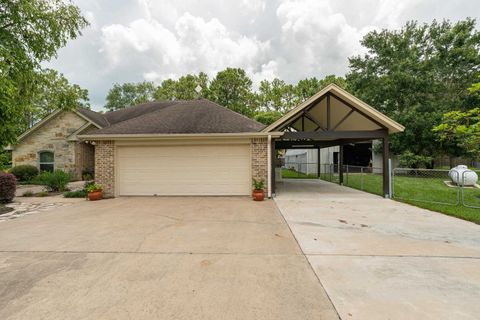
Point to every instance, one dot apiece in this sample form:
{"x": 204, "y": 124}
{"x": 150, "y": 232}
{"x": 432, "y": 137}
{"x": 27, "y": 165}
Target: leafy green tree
{"x": 129, "y": 94}
{"x": 52, "y": 92}
{"x": 276, "y": 95}
{"x": 166, "y": 91}
{"x": 462, "y": 128}
{"x": 308, "y": 87}
{"x": 30, "y": 32}
{"x": 183, "y": 88}
{"x": 417, "y": 74}
{"x": 232, "y": 88}
{"x": 268, "y": 117}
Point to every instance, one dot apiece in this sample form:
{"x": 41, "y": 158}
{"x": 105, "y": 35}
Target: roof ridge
{"x": 143, "y": 114}
{"x": 96, "y": 113}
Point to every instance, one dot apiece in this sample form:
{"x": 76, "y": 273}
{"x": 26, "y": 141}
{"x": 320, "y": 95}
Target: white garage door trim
{"x": 183, "y": 170}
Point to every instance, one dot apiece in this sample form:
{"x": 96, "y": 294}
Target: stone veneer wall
{"x": 105, "y": 167}
{"x": 51, "y": 137}
{"x": 259, "y": 152}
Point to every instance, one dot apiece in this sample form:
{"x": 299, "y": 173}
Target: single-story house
{"x": 194, "y": 147}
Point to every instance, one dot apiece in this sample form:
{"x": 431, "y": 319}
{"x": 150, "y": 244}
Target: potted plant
{"x": 95, "y": 192}
{"x": 258, "y": 193}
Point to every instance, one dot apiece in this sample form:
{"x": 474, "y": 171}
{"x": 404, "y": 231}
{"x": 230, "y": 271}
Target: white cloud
{"x": 193, "y": 45}
{"x": 154, "y": 40}
{"x": 316, "y": 38}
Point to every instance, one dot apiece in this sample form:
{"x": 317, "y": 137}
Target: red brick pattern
{"x": 259, "y": 152}
{"x": 105, "y": 167}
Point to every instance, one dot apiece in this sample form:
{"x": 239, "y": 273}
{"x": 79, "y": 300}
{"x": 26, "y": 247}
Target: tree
{"x": 309, "y": 86}
{"x": 462, "y": 128}
{"x": 30, "y": 32}
{"x": 184, "y": 88}
{"x": 268, "y": 117}
{"x": 52, "y": 92}
{"x": 276, "y": 95}
{"x": 232, "y": 88}
{"x": 417, "y": 74}
{"x": 129, "y": 94}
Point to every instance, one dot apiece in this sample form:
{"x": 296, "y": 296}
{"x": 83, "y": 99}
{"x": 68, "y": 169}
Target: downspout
{"x": 269, "y": 166}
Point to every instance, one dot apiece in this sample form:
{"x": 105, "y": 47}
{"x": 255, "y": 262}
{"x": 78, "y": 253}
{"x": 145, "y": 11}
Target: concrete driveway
{"x": 381, "y": 259}
{"x": 157, "y": 258}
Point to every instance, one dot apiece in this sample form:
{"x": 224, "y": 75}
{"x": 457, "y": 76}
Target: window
{"x": 46, "y": 161}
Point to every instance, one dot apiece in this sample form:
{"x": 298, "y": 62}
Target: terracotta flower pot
{"x": 96, "y": 195}
{"x": 258, "y": 195}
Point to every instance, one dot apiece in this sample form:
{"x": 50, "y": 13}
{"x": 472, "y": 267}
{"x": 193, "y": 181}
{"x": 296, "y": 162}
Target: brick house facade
{"x": 105, "y": 164}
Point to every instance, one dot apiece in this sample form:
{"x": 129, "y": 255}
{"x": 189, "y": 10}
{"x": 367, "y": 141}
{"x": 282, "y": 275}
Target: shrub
{"x": 24, "y": 172}
{"x": 27, "y": 193}
{"x": 54, "y": 181}
{"x": 8, "y": 186}
{"x": 410, "y": 160}
{"x": 75, "y": 194}
{"x": 87, "y": 175}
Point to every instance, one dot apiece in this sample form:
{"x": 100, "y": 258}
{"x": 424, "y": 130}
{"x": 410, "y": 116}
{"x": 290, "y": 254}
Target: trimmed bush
{"x": 54, "y": 181}
{"x": 24, "y": 172}
{"x": 8, "y": 186}
{"x": 75, "y": 194}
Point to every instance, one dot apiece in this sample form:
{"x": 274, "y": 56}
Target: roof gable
{"x": 52, "y": 116}
{"x": 363, "y": 117}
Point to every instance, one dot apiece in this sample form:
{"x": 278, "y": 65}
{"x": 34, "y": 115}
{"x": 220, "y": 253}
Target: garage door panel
{"x": 184, "y": 170}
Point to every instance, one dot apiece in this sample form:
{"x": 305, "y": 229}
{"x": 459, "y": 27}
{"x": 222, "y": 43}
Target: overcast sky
{"x": 136, "y": 40}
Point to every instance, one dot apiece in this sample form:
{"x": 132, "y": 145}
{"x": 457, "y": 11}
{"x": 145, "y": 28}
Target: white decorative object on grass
{"x": 463, "y": 176}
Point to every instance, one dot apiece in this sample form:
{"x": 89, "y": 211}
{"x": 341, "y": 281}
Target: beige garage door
{"x": 184, "y": 170}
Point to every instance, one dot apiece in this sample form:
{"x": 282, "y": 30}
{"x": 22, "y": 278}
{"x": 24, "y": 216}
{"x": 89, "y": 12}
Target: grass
{"x": 292, "y": 174}
{"x": 423, "y": 192}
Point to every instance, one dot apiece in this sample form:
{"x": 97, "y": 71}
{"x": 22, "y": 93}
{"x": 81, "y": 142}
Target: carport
{"x": 333, "y": 117}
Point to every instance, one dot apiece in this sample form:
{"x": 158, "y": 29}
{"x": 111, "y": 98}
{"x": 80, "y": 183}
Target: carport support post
{"x": 340, "y": 165}
{"x": 386, "y": 171}
{"x": 318, "y": 162}
{"x": 273, "y": 164}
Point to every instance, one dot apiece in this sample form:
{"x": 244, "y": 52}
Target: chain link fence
{"x": 434, "y": 186}
{"x": 470, "y": 196}
{"x": 425, "y": 185}
{"x": 408, "y": 184}
{"x": 369, "y": 179}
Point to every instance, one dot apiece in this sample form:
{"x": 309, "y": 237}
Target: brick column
{"x": 105, "y": 167}
{"x": 260, "y": 160}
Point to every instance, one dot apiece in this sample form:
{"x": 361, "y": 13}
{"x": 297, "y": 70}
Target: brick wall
{"x": 260, "y": 160}
{"x": 105, "y": 167}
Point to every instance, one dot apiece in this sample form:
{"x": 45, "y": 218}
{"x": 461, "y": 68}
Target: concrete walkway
{"x": 157, "y": 258}
{"x": 381, "y": 259}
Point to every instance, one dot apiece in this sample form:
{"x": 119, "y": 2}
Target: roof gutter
{"x": 178, "y": 136}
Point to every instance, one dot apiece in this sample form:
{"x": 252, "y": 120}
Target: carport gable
{"x": 332, "y": 114}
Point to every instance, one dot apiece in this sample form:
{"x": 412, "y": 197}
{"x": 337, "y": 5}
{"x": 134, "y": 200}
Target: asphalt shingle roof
{"x": 176, "y": 117}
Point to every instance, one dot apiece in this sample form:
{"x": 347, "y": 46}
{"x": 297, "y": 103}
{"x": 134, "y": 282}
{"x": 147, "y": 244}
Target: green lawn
{"x": 422, "y": 192}
{"x": 292, "y": 174}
